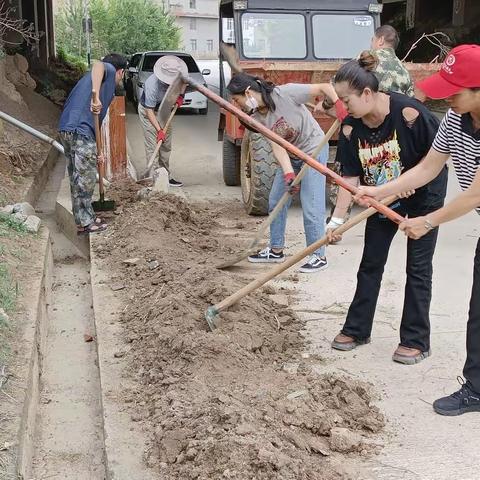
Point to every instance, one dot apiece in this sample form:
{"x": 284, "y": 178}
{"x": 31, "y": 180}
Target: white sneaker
{"x": 314, "y": 264}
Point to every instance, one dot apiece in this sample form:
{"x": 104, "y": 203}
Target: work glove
{"x": 288, "y": 178}
{"x": 340, "y": 110}
{"x": 160, "y": 136}
{"x": 179, "y": 101}
{"x": 334, "y": 223}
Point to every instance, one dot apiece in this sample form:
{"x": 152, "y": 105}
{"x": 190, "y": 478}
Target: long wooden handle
{"x": 234, "y": 298}
{"x": 283, "y": 200}
{"x": 295, "y": 151}
{"x": 98, "y": 140}
{"x": 159, "y": 144}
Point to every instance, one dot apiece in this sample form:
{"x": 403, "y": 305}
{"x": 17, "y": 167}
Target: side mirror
{"x": 132, "y": 69}
{"x": 206, "y": 71}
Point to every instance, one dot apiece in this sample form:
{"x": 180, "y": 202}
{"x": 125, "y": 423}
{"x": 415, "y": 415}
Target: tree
{"x": 122, "y": 26}
{"x": 14, "y": 31}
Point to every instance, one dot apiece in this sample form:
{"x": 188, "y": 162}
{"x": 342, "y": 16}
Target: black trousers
{"x": 415, "y": 324}
{"x": 471, "y": 370}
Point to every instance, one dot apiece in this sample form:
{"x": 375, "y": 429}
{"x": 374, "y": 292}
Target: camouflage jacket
{"x": 392, "y": 74}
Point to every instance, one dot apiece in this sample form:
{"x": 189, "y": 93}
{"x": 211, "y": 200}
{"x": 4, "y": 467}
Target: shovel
{"x": 165, "y": 117}
{"x": 101, "y": 205}
{"x": 214, "y": 310}
{"x": 252, "y": 247}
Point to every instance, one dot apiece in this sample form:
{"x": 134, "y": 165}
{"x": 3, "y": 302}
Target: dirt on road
{"x": 242, "y": 402}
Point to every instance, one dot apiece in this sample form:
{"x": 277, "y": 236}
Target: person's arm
{"x": 152, "y": 118}
{"x": 98, "y": 72}
{"x": 426, "y": 170}
{"x": 282, "y": 157}
{"x": 324, "y": 89}
{"x": 344, "y": 198}
{"x": 465, "y": 202}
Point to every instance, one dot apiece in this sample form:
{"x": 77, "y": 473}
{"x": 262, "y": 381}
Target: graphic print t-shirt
{"x": 380, "y": 155}
{"x": 291, "y": 119}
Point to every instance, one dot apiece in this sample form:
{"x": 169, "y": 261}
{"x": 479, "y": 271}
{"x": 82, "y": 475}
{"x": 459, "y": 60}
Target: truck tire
{"x": 231, "y": 163}
{"x": 258, "y": 166}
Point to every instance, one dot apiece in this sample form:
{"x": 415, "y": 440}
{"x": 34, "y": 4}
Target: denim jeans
{"x": 415, "y": 323}
{"x": 471, "y": 371}
{"x": 312, "y": 197}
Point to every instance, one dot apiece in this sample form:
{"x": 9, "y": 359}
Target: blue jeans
{"x": 312, "y": 197}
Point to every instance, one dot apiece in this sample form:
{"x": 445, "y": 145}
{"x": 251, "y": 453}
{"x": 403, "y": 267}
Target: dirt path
{"x": 69, "y": 441}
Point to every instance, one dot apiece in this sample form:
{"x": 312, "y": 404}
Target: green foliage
{"x": 8, "y": 290}
{"x": 9, "y": 226}
{"x": 77, "y": 63}
{"x": 122, "y": 26}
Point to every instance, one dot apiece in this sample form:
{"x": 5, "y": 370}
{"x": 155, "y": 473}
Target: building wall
{"x": 198, "y": 20}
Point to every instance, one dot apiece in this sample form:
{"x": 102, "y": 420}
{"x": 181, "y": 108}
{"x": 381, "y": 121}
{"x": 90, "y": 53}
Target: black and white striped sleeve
{"x": 441, "y": 144}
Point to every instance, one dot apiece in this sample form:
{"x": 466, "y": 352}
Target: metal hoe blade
{"x": 171, "y": 95}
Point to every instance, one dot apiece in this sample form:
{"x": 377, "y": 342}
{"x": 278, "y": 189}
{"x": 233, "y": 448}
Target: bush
{"x": 122, "y": 26}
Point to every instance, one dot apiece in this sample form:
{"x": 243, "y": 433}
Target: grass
{"x": 10, "y": 227}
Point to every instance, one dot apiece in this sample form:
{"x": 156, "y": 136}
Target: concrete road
{"x": 419, "y": 444}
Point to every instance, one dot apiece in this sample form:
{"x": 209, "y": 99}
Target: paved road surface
{"x": 419, "y": 444}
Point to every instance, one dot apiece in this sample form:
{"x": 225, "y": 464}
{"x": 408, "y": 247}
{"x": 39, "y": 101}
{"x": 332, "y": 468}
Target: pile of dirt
{"x": 243, "y": 401}
{"x": 21, "y": 155}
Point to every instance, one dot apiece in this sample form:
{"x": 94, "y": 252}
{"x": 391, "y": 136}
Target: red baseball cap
{"x": 461, "y": 69}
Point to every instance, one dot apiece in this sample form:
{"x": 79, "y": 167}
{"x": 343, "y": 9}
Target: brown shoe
{"x": 346, "y": 343}
{"x": 409, "y": 356}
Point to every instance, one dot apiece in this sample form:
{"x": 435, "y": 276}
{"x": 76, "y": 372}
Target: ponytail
{"x": 241, "y": 81}
{"x": 359, "y": 73}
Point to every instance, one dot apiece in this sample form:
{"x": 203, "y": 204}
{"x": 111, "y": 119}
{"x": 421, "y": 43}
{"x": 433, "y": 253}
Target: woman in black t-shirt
{"x": 383, "y": 136}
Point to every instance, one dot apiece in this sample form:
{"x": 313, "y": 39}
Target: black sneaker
{"x": 458, "y": 403}
{"x": 267, "y": 256}
{"x": 174, "y": 183}
{"x": 315, "y": 264}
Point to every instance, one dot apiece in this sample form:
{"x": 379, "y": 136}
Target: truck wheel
{"x": 231, "y": 163}
{"x": 258, "y": 166}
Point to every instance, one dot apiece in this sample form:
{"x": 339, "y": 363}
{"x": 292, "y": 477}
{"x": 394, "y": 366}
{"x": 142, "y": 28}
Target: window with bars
{"x": 210, "y": 45}
{"x": 193, "y": 24}
{"x": 193, "y": 45}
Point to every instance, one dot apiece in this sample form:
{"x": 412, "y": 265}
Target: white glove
{"x": 334, "y": 223}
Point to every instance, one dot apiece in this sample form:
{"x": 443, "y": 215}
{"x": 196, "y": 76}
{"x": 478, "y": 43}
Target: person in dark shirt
{"x": 77, "y": 135}
{"x": 458, "y": 138}
{"x": 385, "y": 135}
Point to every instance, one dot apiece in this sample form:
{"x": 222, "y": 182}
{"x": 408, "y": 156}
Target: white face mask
{"x": 251, "y": 102}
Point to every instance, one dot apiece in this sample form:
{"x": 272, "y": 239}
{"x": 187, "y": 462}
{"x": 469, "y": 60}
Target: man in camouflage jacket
{"x": 391, "y": 73}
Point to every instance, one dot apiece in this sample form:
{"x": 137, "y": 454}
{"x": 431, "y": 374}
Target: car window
{"x": 135, "y": 59}
{"x": 360, "y": 30}
{"x": 263, "y": 35}
{"x": 149, "y": 62}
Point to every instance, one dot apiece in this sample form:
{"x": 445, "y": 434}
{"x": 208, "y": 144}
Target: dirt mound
{"x": 21, "y": 155}
{"x": 238, "y": 403}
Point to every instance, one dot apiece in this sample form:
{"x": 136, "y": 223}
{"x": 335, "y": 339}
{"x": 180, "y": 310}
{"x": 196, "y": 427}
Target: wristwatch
{"x": 427, "y": 224}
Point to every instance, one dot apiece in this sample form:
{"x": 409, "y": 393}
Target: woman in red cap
{"x": 458, "y": 82}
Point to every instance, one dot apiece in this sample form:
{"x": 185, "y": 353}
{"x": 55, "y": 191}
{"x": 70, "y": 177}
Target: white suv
{"x": 144, "y": 69}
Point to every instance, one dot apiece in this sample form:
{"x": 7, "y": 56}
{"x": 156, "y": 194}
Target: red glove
{"x": 179, "y": 101}
{"x": 340, "y": 110}
{"x": 160, "y": 136}
{"x": 288, "y": 178}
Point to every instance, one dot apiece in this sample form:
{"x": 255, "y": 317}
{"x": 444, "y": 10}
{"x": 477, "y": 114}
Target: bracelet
{"x": 427, "y": 224}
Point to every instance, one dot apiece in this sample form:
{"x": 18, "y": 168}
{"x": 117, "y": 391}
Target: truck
{"x": 305, "y": 41}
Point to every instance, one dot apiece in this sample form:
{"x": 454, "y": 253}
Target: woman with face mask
{"x": 385, "y": 135}
{"x": 282, "y": 109}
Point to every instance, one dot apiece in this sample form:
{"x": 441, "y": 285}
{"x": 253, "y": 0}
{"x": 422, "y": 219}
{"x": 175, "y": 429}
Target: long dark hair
{"x": 359, "y": 73}
{"x": 241, "y": 81}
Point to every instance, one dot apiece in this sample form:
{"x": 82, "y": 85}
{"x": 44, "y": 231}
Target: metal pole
{"x": 87, "y": 30}
{"x": 296, "y": 152}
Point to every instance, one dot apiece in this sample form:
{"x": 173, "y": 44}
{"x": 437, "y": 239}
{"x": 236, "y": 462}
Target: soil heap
{"x": 242, "y": 402}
